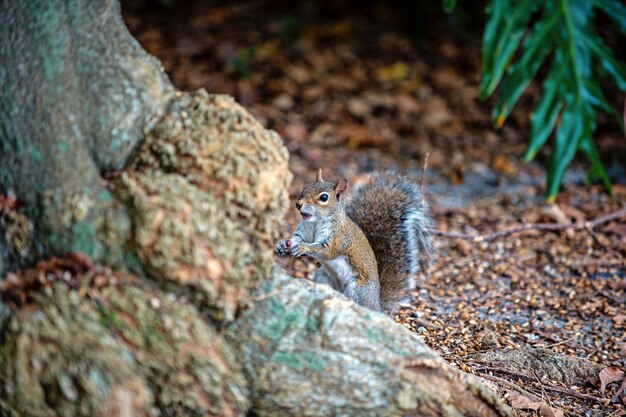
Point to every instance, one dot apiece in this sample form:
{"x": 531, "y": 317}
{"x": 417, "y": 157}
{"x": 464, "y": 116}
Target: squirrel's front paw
{"x": 296, "y": 250}
{"x": 283, "y": 248}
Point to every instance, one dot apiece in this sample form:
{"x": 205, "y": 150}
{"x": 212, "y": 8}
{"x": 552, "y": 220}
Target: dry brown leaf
{"x": 463, "y": 246}
{"x": 436, "y": 113}
{"x": 524, "y": 403}
{"x": 296, "y": 131}
{"x": 609, "y": 375}
{"x": 358, "y": 107}
{"x": 615, "y": 228}
{"x": 547, "y": 411}
{"x": 621, "y": 393}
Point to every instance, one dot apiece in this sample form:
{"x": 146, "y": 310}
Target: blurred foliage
{"x": 239, "y": 65}
{"x": 560, "y": 36}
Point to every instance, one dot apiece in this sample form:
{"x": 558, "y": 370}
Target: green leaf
{"x": 594, "y": 95}
{"x": 570, "y": 133}
{"x": 565, "y": 30}
{"x": 503, "y": 38}
{"x": 449, "y": 5}
{"x": 544, "y": 117}
{"x": 615, "y": 10}
{"x": 607, "y": 61}
{"x": 535, "y": 49}
{"x": 597, "y": 170}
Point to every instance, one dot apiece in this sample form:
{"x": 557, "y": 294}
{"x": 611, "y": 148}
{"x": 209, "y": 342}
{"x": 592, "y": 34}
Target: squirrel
{"x": 371, "y": 243}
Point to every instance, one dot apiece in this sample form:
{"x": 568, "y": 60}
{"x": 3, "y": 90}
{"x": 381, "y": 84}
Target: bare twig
{"x": 562, "y": 342}
{"x": 422, "y": 177}
{"x": 511, "y": 385}
{"x": 544, "y": 395}
{"x": 576, "y": 394}
{"x": 425, "y": 323}
{"x": 549, "y": 387}
{"x": 588, "y": 225}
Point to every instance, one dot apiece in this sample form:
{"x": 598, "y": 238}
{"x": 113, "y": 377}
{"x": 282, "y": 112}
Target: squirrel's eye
{"x": 323, "y": 197}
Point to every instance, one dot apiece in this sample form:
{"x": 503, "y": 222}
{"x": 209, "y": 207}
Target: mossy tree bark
{"x": 106, "y": 158}
{"x": 76, "y": 94}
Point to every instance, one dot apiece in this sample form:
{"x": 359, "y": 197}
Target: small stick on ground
{"x": 511, "y": 385}
{"x": 562, "y": 342}
{"x": 534, "y": 226}
{"x": 549, "y": 387}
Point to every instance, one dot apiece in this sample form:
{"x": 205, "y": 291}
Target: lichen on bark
{"x": 310, "y": 351}
{"x": 114, "y": 350}
{"x": 207, "y": 189}
{"x": 77, "y": 93}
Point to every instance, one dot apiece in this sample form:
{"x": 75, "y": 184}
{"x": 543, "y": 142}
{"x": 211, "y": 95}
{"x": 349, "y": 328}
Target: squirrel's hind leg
{"x": 322, "y": 276}
{"x": 365, "y": 293}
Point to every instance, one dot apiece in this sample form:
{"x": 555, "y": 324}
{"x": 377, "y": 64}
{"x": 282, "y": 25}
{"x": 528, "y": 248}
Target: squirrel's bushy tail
{"x": 393, "y": 215}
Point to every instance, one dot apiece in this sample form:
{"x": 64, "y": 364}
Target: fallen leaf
{"x": 394, "y": 72}
{"x": 609, "y": 375}
{"x": 615, "y": 228}
{"x": 621, "y": 393}
{"x": 436, "y": 113}
{"x": 296, "y": 131}
{"x": 524, "y": 403}
{"x": 547, "y": 411}
{"x": 358, "y": 107}
{"x": 463, "y": 246}
{"x": 489, "y": 341}
{"x": 284, "y": 102}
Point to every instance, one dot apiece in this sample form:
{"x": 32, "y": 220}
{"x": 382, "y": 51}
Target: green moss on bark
{"x": 307, "y": 350}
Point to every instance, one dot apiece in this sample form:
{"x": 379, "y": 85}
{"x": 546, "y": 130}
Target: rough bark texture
{"x": 545, "y": 363}
{"x": 76, "y": 93}
{"x": 207, "y": 190}
{"x": 309, "y": 351}
{"x": 121, "y": 350}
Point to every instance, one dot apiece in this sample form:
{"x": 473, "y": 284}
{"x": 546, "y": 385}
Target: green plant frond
{"x": 544, "y": 118}
{"x": 616, "y": 10}
{"x": 592, "y": 93}
{"x": 571, "y": 94}
{"x": 535, "y": 48}
{"x": 607, "y": 61}
{"x": 569, "y": 133}
{"x": 449, "y": 5}
{"x": 597, "y": 170}
{"x": 504, "y": 37}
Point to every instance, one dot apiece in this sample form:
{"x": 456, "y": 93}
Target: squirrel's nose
{"x": 298, "y": 205}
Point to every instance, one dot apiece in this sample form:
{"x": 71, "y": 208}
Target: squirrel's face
{"x": 319, "y": 200}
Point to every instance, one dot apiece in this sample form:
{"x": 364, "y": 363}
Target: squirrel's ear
{"x": 341, "y": 187}
{"x": 318, "y": 178}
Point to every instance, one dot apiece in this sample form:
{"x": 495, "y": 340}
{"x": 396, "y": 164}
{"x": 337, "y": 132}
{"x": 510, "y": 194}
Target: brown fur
{"x": 346, "y": 238}
{"x": 380, "y": 230}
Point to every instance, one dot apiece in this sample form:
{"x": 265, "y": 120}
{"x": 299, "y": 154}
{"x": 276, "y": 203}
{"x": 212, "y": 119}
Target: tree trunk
{"x": 77, "y": 93}
{"x": 101, "y": 155}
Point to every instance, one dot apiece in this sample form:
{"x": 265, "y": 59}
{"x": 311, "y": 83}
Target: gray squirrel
{"x": 371, "y": 242}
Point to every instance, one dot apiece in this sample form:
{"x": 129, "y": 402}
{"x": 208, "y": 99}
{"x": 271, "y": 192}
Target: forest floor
{"x": 351, "y": 93}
